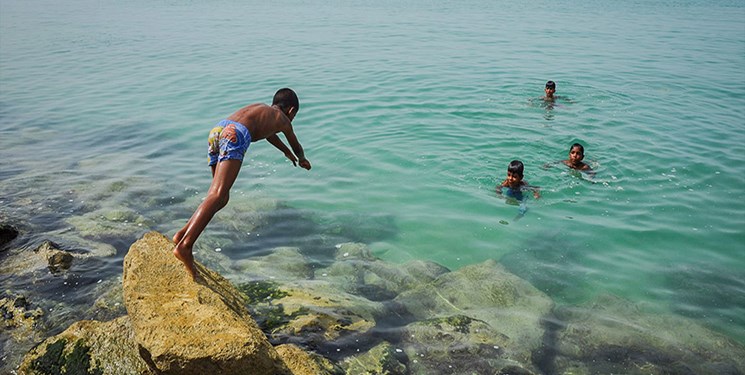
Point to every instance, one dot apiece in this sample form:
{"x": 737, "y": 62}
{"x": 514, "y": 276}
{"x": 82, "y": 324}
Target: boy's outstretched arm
{"x": 536, "y": 191}
{"x": 276, "y": 142}
{"x": 297, "y": 148}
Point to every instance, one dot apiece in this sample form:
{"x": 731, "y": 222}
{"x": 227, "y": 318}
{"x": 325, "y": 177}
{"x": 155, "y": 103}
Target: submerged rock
{"x": 188, "y": 327}
{"x": 611, "y": 335}
{"x": 57, "y": 260}
{"x": 8, "y": 233}
{"x": 312, "y": 312}
{"x": 119, "y": 222}
{"x": 48, "y": 254}
{"x": 357, "y": 272}
{"x": 383, "y": 359}
{"x": 486, "y": 292}
{"x": 284, "y": 263}
{"x": 457, "y": 344}
{"x": 301, "y": 362}
{"x": 88, "y": 347}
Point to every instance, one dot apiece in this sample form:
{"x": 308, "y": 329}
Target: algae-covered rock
{"x": 88, "y": 347}
{"x": 19, "y": 316}
{"x": 301, "y": 362}
{"x": 312, "y": 312}
{"x": 486, "y": 292}
{"x": 383, "y": 359}
{"x": 59, "y": 260}
{"x": 21, "y": 326}
{"x": 457, "y": 344}
{"x": 611, "y": 335}
{"x": 188, "y": 327}
{"x": 110, "y": 302}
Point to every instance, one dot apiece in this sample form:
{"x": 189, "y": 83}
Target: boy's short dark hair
{"x": 551, "y": 85}
{"x": 516, "y": 167}
{"x": 581, "y": 149}
{"x": 285, "y": 99}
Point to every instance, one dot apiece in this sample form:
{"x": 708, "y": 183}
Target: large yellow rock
{"x": 187, "y": 327}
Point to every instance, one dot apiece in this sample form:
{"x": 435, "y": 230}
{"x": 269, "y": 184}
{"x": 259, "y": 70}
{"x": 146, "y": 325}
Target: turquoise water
{"x": 410, "y": 114}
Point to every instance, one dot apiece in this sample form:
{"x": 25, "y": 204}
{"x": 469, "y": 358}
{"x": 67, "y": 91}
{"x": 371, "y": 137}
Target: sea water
{"x": 410, "y": 113}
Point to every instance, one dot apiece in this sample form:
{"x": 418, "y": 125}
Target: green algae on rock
{"x": 383, "y": 359}
{"x": 88, "y": 347}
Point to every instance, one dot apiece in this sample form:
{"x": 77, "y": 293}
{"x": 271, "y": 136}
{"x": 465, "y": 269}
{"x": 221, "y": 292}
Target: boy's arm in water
{"x": 499, "y": 187}
{"x": 276, "y": 142}
{"x": 589, "y": 172}
{"x": 296, "y": 147}
{"x": 535, "y": 189}
{"x": 536, "y": 193}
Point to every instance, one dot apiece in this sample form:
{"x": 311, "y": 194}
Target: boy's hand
{"x": 292, "y": 158}
{"x": 305, "y": 163}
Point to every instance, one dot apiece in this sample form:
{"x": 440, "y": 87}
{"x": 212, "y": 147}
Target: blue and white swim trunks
{"x": 228, "y": 140}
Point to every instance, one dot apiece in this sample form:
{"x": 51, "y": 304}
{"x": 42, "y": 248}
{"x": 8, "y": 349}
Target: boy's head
{"x": 576, "y": 153}
{"x": 286, "y": 100}
{"x": 550, "y": 88}
{"x": 515, "y": 171}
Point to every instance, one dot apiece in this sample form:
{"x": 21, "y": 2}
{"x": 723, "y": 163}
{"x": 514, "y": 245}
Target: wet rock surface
{"x": 8, "y": 233}
{"x": 188, "y": 327}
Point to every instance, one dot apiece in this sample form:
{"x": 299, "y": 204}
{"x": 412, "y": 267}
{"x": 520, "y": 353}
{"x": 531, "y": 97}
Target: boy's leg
{"x": 180, "y": 234}
{"x": 217, "y": 197}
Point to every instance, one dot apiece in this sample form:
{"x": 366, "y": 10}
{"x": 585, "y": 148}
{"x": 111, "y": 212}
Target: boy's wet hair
{"x": 551, "y": 85}
{"x": 581, "y": 149}
{"x": 285, "y": 99}
{"x": 516, "y": 167}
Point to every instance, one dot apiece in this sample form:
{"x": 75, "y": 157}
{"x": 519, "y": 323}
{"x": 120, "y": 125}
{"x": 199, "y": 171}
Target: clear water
{"x": 410, "y": 113}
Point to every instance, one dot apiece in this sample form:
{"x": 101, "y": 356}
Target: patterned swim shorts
{"x": 228, "y": 140}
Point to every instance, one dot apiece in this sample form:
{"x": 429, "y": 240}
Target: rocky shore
{"x": 353, "y": 315}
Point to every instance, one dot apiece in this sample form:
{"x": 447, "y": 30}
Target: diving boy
{"x": 228, "y": 143}
{"x": 514, "y": 185}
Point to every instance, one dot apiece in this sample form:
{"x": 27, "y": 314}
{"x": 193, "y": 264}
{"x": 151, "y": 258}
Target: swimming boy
{"x": 576, "y": 155}
{"x": 228, "y": 143}
{"x": 550, "y": 91}
{"x": 514, "y": 184}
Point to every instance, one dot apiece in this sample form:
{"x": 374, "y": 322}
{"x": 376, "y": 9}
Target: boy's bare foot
{"x": 186, "y": 257}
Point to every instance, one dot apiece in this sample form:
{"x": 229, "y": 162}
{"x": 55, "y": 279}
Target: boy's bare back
{"x": 262, "y": 120}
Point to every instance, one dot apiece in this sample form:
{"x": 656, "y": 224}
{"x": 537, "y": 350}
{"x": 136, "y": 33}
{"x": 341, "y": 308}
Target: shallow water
{"x": 410, "y": 114}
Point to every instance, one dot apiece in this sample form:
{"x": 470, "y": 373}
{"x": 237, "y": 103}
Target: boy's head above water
{"x": 550, "y": 89}
{"x": 515, "y": 172}
{"x": 576, "y": 153}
